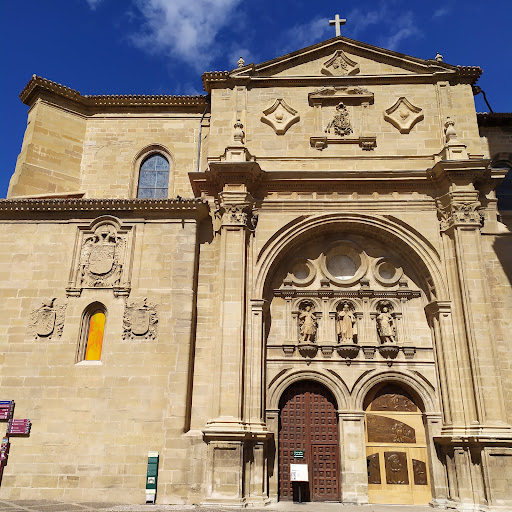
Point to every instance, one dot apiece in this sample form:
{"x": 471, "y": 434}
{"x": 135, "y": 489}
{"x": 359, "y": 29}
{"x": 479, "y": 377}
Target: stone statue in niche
{"x": 386, "y": 325}
{"x": 102, "y": 256}
{"x": 307, "y": 323}
{"x": 341, "y": 122}
{"x": 346, "y": 326}
{"x": 47, "y": 321}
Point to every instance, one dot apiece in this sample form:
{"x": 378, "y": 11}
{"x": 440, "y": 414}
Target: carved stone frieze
{"x": 102, "y": 257}
{"x": 340, "y": 65}
{"x": 280, "y": 116}
{"x": 47, "y": 321}
{"x": 403, "y": 115}
{"x": 140, "y": 320}
{"x": 355, "y": 94}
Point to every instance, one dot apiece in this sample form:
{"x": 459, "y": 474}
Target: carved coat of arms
{"x": 140, "y": 320}
{"x": 340, "y": 123}
{"x": 102, "y": 257}
{"x": 47, "y": 321}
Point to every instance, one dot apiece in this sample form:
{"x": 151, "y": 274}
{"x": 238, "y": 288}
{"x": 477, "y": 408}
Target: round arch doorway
{"x": 308, "y": 434}
{"x": 396, "y": 449}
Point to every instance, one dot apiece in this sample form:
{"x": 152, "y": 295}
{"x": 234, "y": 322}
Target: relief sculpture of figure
{"x": 386, "y": 326}
{"x": 346, "y": 327}
{"x": 308, "y": 325}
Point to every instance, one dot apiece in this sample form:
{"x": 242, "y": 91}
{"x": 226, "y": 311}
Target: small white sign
{"x": 299, "y": 473}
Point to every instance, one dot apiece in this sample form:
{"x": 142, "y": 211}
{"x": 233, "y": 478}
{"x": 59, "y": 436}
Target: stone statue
{"x": 346, "y": 327}
{"x": 307, "y": 325}
{"x": 386, "y": 326}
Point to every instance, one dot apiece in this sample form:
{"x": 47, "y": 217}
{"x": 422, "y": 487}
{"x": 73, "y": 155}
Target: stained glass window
{"x": 153, "y": 178}
{"x": 95, "y": 336}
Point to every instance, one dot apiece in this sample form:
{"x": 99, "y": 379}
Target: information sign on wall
{"x": 299, "y": 473}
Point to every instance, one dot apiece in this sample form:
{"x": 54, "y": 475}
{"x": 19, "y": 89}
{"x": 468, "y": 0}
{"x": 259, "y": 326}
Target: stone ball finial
{"x": 241, "y": 62}
{"x": 439, "y": 57}
{"x": 450, "y": 129}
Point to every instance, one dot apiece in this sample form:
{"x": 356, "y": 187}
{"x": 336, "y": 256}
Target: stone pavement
{"x": 61, "y": 506}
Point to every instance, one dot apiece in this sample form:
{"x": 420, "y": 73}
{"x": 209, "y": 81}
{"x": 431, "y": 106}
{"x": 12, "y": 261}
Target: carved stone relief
{"x": 280, "y": 116}
{"x": 47, "y": 321}
{"x": 140, "y": 320}
{"x": 340, "y": 123}
{"x": 340, "y": 65}
{"x": 102, "y": 258}
{"x": 403, "y": 115}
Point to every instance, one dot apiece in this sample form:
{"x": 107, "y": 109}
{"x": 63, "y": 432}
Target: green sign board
{"x": 298, "y": 454}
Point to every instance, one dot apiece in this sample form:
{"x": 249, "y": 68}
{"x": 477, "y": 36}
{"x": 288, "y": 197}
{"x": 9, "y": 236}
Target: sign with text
{"x": 298, "y": 454}
{"x": 299, "y": 473}
{"x": 6, "y": 409}
{"x": 18, "y": 427}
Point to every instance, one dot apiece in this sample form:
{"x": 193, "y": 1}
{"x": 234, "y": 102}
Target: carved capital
{"x": 236, "y": 215}
{"x": 464, "y": 213}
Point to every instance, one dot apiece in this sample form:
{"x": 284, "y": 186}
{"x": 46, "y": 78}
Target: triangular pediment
{"x": 340, "y": 57}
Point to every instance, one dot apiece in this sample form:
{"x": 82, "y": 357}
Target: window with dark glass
{"x": 153, "y": 178}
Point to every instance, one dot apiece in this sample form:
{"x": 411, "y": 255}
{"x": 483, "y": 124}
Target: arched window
{"x": 91, "y": 336}
{"x": 153, "y": 177}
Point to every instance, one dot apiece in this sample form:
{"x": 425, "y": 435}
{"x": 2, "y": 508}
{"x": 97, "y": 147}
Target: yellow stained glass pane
{"x": 95, "y": 336}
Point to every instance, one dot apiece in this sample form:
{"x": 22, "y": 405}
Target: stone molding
{"x": 180, "y": 208}
{"x": 38, "y": 86}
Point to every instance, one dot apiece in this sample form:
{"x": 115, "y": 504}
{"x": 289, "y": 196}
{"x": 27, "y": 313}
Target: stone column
{"x": 469, "y": 377}
{"x": 354, "y": 477}
{"x": 235, "y": 434}
{"x": 272, "y": 416}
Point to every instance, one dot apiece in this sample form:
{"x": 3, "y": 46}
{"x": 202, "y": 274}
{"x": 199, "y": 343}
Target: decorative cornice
{"x": 494, "y": 118}
{"x": 164, "y": 208}
{"x": 38, "y": 85}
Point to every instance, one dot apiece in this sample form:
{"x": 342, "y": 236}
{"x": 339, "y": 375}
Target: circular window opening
{"x": 300, "y": 270}
{"x": 342, "y": 266}
{"x": 387, "y": 271}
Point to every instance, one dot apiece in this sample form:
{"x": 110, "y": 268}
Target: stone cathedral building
{"x": 308, "y": 265}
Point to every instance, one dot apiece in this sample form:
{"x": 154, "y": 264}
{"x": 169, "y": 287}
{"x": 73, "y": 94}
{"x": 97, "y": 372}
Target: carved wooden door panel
{"x": 396, "y": 450}
{"x": 308, "y": 423}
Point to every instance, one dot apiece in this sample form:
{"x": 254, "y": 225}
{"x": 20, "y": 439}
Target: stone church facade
{"x": 308, "y": 265}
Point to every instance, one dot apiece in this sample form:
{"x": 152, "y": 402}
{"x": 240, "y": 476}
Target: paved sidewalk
{"x": 62, "y": 506}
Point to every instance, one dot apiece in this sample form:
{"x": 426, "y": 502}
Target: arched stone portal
{"x": 308, "y": 435}
{"x": 396, "y": 448}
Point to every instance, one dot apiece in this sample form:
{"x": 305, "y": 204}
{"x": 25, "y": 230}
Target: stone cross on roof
{"x": 337, "y": 21}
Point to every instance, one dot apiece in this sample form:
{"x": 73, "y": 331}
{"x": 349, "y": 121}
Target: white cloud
{"x": 94, "y": 3}
{"x": 405, "y": 27}
{"x": 442, "y": 11}
{"x": 389, "y": 20}
{"x": 305, "y": 34}
{"x": 185, "y": 29}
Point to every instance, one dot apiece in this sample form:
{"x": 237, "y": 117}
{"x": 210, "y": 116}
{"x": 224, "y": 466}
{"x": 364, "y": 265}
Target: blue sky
{"x": 163, "y": 46}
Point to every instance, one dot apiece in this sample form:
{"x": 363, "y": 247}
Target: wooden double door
{"x": 308, "y": 425}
